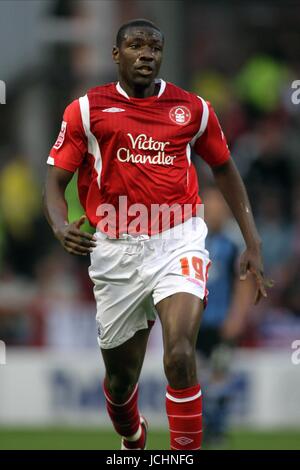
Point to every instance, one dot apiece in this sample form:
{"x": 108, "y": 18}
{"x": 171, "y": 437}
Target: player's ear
{"x": 115, "y": 54}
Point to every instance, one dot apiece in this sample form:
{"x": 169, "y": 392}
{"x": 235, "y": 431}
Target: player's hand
{"x": 251, "y": 261}
{"x": 74, "y": 240}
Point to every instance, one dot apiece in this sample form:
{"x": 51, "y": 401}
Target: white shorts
{"x": 133, "y": 273}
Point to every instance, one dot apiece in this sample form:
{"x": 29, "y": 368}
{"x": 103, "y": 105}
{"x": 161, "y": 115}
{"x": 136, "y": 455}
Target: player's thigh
{"x": 126, "y": 360}
{"x": 180, "y": 315}
{"x": 180, "y": 292}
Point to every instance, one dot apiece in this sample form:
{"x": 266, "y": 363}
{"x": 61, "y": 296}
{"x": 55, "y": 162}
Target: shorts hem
{"x": 122, "y": 340}
{"x": 177, "y": 291}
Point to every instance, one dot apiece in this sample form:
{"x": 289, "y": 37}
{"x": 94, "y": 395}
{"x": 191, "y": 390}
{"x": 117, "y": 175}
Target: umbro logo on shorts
{"x": 100, "y": 329}
{"x": 112, "y": 110}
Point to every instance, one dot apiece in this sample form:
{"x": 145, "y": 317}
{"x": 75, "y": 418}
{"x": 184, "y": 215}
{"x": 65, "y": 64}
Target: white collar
{"x": 157, "y": 80}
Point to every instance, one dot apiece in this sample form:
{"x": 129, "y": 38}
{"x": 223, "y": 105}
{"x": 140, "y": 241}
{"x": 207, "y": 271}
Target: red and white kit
{"x": 140, "y": 149}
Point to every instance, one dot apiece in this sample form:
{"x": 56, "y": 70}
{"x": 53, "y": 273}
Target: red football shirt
{"x": 133, "y": 154}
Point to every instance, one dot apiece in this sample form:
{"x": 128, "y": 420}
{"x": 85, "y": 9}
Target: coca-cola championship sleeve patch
{"x": 70, "y": 146}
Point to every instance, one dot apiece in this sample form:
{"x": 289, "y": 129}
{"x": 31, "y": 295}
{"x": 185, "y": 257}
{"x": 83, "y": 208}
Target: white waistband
{"x": 194, "y": 224}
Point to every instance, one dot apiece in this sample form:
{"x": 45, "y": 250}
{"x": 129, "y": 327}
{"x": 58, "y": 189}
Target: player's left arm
{"x": 213, "y": 149}
{"x": 233, "y": 189}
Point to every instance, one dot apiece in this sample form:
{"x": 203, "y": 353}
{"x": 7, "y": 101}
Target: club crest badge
{"x": 180, "y": 115}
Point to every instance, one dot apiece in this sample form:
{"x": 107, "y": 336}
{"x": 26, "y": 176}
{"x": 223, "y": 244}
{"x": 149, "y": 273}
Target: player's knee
{"x": 179, "y": 363}
{"x": 121, "y": 387}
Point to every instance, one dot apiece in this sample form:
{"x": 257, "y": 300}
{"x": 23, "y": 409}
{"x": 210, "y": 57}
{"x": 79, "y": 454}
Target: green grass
{"x": 90, "y": 439}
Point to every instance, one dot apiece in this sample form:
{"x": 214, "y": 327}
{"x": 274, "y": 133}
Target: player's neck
{"x": 135, "y": 91}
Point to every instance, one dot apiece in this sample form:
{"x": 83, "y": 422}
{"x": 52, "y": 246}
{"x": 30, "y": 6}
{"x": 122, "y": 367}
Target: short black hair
{"x": 132, "y": 24}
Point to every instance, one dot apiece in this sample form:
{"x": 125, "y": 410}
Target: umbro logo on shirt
{"x": 112, "y": 110}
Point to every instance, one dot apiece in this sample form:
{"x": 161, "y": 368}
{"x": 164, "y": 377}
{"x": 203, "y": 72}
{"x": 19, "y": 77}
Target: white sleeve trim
{"x": 204, "y": 121}
{"x": 93, "y": 145}
{"x": 50, "y": 160}
{"x": 85, "y": 113}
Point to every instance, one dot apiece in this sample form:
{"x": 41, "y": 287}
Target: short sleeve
{"x": 211, "y": 145}
{"x": 71, "y": 144}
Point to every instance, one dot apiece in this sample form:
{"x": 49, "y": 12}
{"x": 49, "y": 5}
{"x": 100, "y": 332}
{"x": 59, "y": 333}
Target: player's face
{"x": 139, "y": 56}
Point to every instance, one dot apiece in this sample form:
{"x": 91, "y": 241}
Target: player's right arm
{"x": 56, "y": 210}
{"x": 65, "y": 157}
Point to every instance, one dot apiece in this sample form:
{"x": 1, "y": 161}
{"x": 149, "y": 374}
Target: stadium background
{"x": 243, "y": 57}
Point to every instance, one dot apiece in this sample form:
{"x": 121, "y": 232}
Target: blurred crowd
{"x": 245, "y": 65}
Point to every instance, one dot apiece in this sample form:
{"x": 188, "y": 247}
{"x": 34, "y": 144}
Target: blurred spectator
{"x": 224, "y": 318}
{"x": 20, "y": 198}
{"x": 261, "y": 81}
{"x": 271, "y": 170}
{"x": 66, "y": 297}
{"x": 22, "y": 219}
{"x": 274, "y": 229}
{"x": 289, "y": 293}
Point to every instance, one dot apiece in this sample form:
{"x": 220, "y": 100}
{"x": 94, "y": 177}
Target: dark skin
{"x": 138, "y": 59}
{"x": 74, "y": 240}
